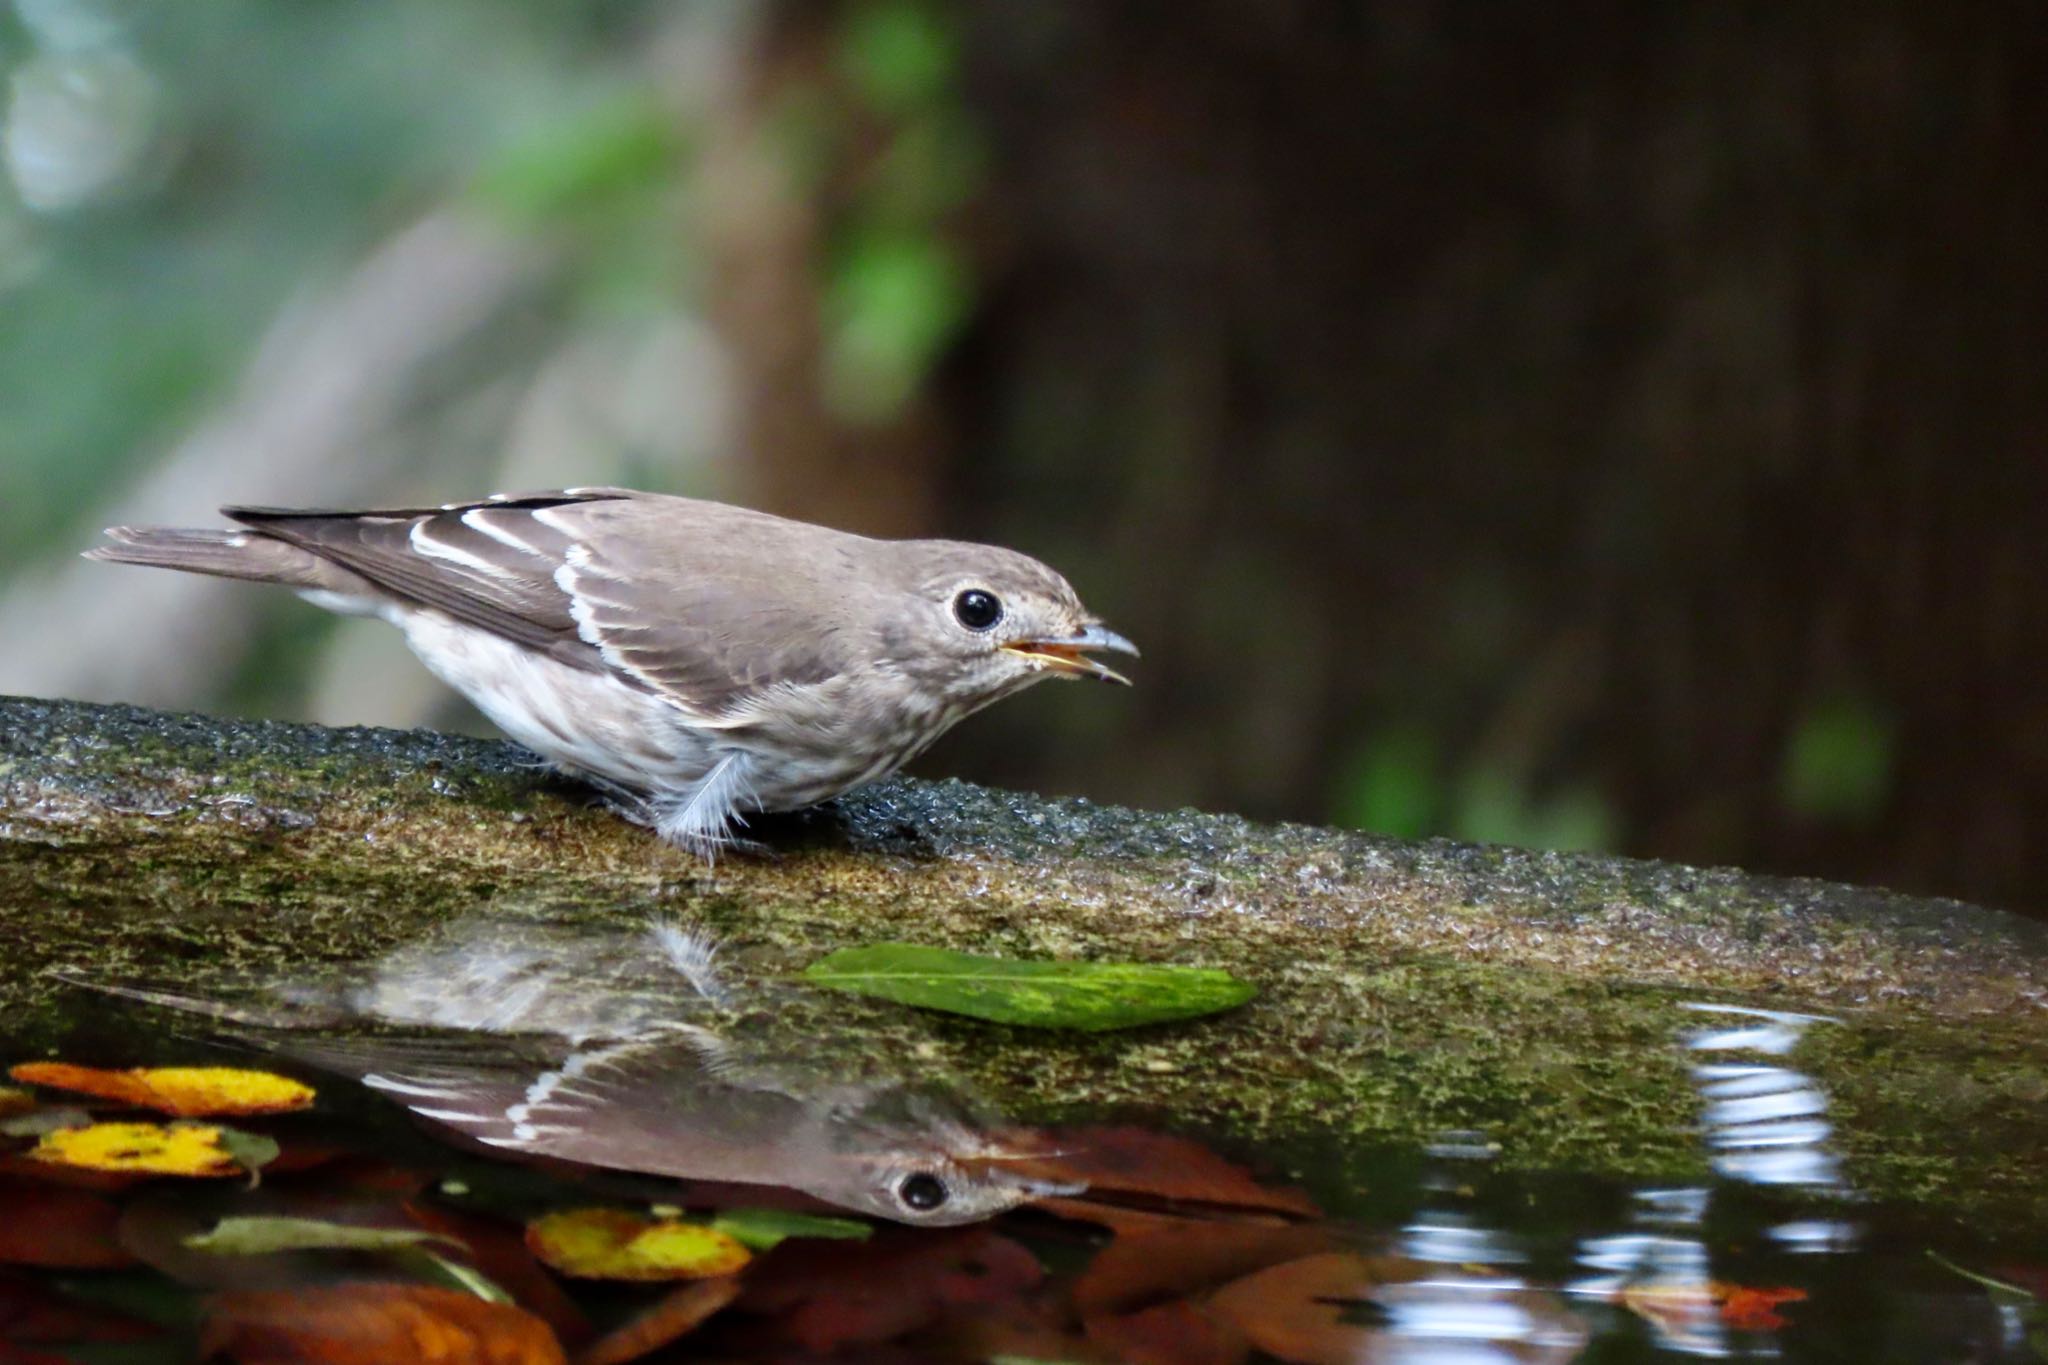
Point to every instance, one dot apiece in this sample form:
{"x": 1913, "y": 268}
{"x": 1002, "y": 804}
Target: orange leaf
{"x": 612, "y": 1244}
{"x": 373, "y": 1324}
{"x": 675, "y": 1314}
{"x": 181, "y": 1091}
{"x": 1297, "y": 1310}
{"x": 1137, "y": 1161}
{"x": 58, "y": 1228}
{"x": 1754, "y": 1309}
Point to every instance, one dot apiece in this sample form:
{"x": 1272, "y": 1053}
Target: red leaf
{"x": 373, "y": 1324}
{"x": 1176, "y": 1333}
{"x": 59, "y": 1228}
{"x": 825, "y": 1295}
{"x": 1135, "y": 1161}
{"x": 675, "y": 1314}
{"x": 1753, "y": 1309}
{"x": 1144, "y": 1268}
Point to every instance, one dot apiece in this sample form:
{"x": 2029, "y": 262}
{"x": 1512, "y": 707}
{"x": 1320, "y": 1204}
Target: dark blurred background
{"x": 1591, "y": 425}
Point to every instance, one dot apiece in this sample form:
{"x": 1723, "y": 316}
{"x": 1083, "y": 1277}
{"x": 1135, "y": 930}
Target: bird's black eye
{"x": 922, "y": 1192}
{"x": 977, "y": 610}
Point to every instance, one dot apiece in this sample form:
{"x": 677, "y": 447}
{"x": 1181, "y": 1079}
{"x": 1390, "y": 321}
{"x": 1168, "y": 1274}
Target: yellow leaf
{"x": 140, "y": 1148}
{"x": 612, "y": 1244}
{"x": 184, "y": 1091}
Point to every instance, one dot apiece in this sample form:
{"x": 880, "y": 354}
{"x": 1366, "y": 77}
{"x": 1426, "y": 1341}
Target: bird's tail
{"x": 225, "y": 554}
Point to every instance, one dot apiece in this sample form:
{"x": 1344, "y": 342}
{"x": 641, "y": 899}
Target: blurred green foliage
{"x": 1397, "y": 784}
{"x": 1838, "y": 761}
{"x": 293, "y": 136}
{"x": 898, "y": 286}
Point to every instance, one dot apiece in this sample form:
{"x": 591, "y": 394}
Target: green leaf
{"x": 440, "y": 1270}
{"x": 1092, "y": 996}
{"x": 262, "y": 1236}
{"x": 760, "y": 1229}
{"x": 251, "y": 1151}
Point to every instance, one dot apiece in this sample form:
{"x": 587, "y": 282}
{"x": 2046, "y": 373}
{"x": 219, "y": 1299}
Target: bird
{"x": 695, "y": 661}
{"x": 629, "y": 1051}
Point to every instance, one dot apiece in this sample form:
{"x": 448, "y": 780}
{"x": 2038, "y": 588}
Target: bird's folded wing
{"x": 707, "y": 606}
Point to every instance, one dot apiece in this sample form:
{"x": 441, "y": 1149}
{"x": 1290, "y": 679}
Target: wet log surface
{"x": 1405, "y": 989}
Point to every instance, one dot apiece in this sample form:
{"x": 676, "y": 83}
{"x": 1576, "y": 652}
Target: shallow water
{"x": 1435, "y": 1254}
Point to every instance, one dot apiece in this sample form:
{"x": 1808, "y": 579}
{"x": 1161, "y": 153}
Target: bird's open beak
{"x": 1067, "y": 656}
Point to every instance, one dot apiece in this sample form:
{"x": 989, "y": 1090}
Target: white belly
{"x": 586, "y": 722}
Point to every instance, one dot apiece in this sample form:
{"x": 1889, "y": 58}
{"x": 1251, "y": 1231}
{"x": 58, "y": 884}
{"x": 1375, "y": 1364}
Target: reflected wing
{"x": 650, "y": 1105}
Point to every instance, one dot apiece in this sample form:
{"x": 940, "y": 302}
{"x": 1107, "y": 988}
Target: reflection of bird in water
{"x": 599, "y": 1047}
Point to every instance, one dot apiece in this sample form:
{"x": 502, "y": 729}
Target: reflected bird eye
{"x": 922, "y": 1192}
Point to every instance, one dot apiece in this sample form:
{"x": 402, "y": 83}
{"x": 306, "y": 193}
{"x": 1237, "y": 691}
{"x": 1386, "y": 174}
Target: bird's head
{"x": 980, "y": 622}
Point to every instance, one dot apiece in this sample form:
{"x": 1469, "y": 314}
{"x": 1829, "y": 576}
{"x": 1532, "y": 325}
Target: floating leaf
{"x": 181, "y": 1091}
{"x": 1129, "y": 1160}
{"x": 263, "y": 1236}
{"x": 15, "y": 1101}
{"x": 1754, "y": 1308}
{"x": 1092, "y": 996}
{"x": 251, "y": 1151}
{"x": 194, "y": 1149}
{"x": 675, "y": 1314}
{"x": 498, "y": 1251}
{"x": 612, "y": 1244}
{"x": 435, "y": 1268}
{"x": 827, "y": 1296}
{"x": 370, "y": 1324}
{"x": 762, "y": 1229}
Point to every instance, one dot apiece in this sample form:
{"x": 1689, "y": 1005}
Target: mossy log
{"x": 1405, "y": 989}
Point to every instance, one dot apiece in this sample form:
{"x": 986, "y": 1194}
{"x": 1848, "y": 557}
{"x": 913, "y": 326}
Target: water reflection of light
{"x": 1456, "y": 1314}
{"x": 1764, "y": 1123}
{"x": 1466, "y": 1320}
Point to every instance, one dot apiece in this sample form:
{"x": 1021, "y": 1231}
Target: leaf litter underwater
{"x": 523, "y": 1148}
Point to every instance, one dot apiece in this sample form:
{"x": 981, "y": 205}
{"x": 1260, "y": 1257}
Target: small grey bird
{"x": 696, "y": 660}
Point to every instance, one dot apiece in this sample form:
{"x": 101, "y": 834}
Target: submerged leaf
{"x": 370, "y": 1324}
{"x": 1132, "y": 1161}
{"x": 141, "y": 1149}
{"x": 675, "y": 1314}
{"x": 612, "y": 1244}
{"x": 264, "y": 1236}
{"x": 762, "y": 1229}
{"x": 181, "y": 1091}
{"x": 1091, "y": 996}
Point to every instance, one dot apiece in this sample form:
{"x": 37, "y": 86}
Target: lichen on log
{"x": 1405, "y": 988}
